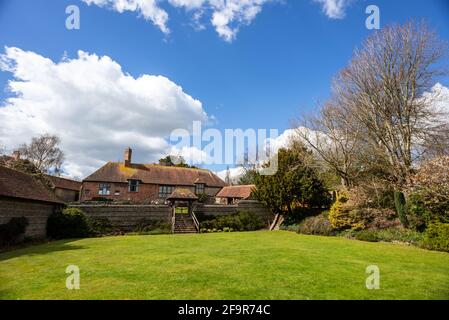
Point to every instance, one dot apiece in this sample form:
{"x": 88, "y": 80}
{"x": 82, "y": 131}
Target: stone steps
{"x": 184, "y": 224}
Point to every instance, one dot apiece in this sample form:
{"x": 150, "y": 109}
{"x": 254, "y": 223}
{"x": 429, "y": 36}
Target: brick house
{"x": 234, "y": 194}
{"x": 150, "y": 183}
{"x": 21, "y": 195}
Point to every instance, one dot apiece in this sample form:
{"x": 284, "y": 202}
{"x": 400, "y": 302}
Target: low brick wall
{"x": 126, "y": 217}
{"x": 36, "y": 212}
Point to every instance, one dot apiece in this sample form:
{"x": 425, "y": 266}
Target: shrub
{"x": 399, "y": 235}
{"x": 339, "y": 217}
{"x": 318, "y": 225}
{"x": 70, "y": 223}
{"x": 430, "y": 191}
{"x": 101, "y": 199}
{"x": 373, "y": 218}
{"x": 99, "y": 226}
{"x": 152, "y": 227}
{"x": 290, "y": 227}
{"x": 11, "y": 231}
{"x": 436, "y": 237}
{"x": 243, "y": 221}
{"x": 417, "y": 213}
{"x": 367, "y": 235}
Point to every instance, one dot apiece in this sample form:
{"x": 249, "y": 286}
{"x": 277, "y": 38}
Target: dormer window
{"x": 133, "y": 185}
{"x": 200, "y": 188}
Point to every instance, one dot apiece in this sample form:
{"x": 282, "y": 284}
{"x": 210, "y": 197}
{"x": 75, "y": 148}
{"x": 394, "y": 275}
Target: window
{"x": 199, "y": 188}
{"x": 86, "y": 192}
{"x": 133, "y": 186}
{"x": 165, "y": 191}
{"x": 104, "y": 189}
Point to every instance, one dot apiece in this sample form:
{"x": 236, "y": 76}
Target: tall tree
{"x": 384, "y": 88}
{"x": 44, "y": 153}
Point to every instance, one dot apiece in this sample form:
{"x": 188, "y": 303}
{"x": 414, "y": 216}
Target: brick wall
{"x": 66, "y": 195}
{"x": 37, "y": 214}
{"x": 126, "y": 217}
{"x": 245, "y": 205}
{"x": 147, "y": 192}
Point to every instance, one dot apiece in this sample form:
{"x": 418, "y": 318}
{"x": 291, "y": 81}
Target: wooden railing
{"x": 197, "y": 223}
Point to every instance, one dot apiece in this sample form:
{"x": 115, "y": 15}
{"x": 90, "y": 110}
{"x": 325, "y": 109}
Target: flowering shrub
{"x": 429, "y": 191}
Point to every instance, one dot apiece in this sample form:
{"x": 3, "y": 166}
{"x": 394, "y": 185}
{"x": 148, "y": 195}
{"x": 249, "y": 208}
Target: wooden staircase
{"x": 184, "y": 224}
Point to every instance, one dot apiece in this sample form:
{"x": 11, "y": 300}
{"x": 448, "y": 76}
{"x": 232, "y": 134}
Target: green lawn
{"x": 257, "y": 265}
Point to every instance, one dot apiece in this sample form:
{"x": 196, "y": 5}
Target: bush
{"x": 436, "y": 237}
{"x": 399, "y": 235}
{"x": 99, "y": 226}
{"x": 243, "y": 221}
{"x": 429, "y": 191}
{"x": 290, "y": 227}
{"x": 70, "y": 223}
{"x": 373, "y": 218}
{"x": 339, "y": 217}
{"x": 152, "y": 227}
{"x": 367, "y": 235}
{"x": 11, "y": 231}
{"x": 318, "y": 225}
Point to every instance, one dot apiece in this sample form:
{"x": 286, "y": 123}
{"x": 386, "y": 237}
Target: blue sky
{"x": 278, "y": 65}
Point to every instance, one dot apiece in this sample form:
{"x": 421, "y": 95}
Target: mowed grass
{"x": 257, "y": 265}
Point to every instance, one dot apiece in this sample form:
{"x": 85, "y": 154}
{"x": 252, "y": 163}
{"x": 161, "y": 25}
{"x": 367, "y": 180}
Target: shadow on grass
{"x": 40, "y": 249}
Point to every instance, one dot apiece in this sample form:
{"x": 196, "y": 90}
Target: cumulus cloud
{"x": 234, "y": 173}
{"x": 226, "y": 16}
{"x": 94, "y": 106}
{"x": 148, "y": 9}
{"x": 334, "y": 9}
{"x": 439, "y": 96}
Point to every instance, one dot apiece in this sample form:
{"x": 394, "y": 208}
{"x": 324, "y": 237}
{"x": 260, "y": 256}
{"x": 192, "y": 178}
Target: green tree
{"x": 296, "y": 184}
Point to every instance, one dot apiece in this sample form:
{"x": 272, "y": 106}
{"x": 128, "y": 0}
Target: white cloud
{"x": 149, "y": 10}
{"x": 334, "y": 9}
{"x": 226, "y": 16}
{"x": 234, "y": 173}
{"x": 191, "y": 155}
{"x": 94, "y": 107}
{"x": 439, "y": 95}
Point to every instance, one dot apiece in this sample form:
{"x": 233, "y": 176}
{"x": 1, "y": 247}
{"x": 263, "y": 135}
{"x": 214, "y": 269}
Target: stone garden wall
{"x": 126, "y": 217}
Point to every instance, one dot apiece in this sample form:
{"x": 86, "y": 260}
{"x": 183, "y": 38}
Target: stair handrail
{"x": 197, "y": 223}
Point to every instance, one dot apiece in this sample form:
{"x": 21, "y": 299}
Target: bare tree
{"x": 384, "y": 89}
{"x": 335, "y": 137}
{"x": 44, "y": 153}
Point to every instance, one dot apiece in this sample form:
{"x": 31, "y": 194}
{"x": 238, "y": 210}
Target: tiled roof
{"x": 154, "y": 174}
{"x": 182, "y": 194}
{"x": 17, "y": 184}
{"x": 63, "y": 183}
{"x": 238, "y": 192}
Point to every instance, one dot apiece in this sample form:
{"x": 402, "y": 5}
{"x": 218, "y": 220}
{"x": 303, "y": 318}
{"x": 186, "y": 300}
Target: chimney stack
{"x": 16, "y": 155}
{"x": 128, "y": 156}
